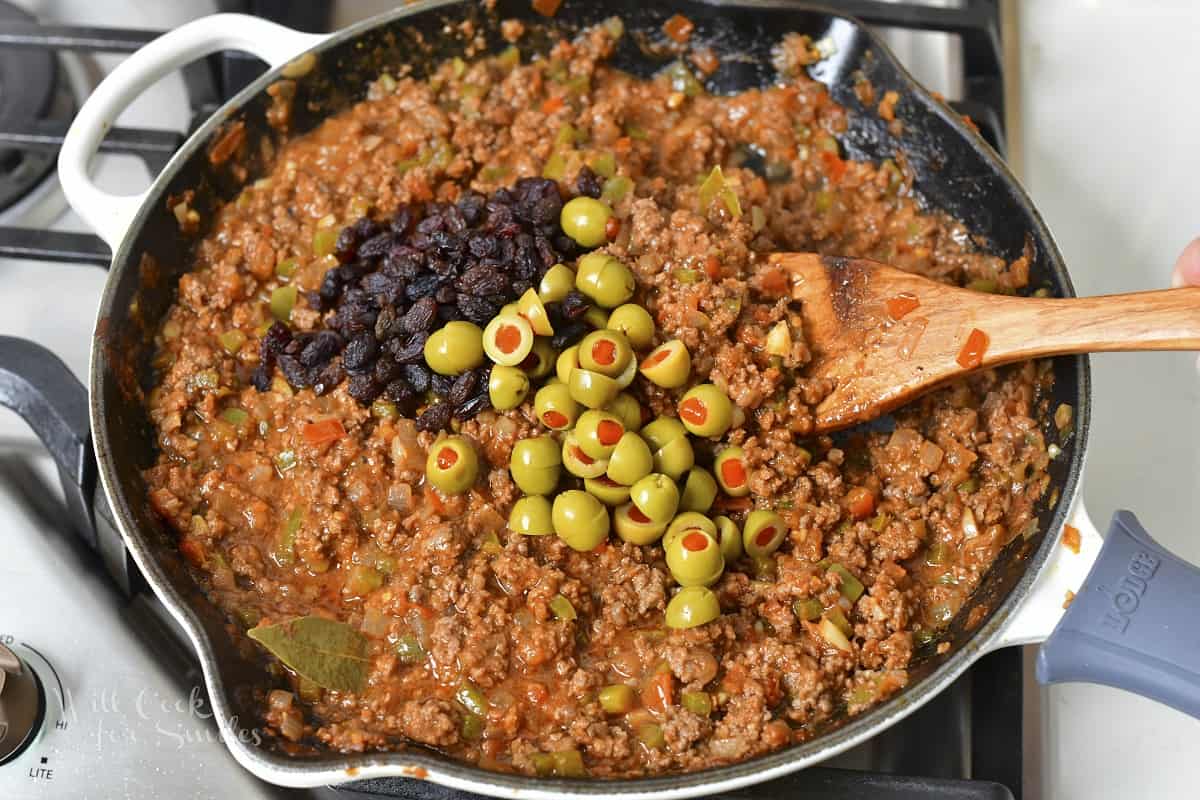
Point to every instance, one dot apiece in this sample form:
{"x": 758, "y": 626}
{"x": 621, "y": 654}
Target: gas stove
{"x": 118, "y": 707}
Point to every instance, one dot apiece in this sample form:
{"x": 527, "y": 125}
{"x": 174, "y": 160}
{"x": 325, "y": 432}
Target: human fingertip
{"x": 1187, "y": 266}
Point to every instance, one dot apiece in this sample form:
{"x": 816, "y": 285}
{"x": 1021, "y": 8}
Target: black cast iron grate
{"x": 965, "y": 744}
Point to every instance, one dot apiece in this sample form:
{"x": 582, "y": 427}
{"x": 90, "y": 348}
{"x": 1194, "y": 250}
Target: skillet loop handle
{"x": 1132, "y": 624}
{"x": 111, "y": 215}
{"x": 48, "y": 396}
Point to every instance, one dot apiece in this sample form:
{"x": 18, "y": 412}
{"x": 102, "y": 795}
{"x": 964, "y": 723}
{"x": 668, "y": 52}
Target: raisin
{"x": 435, "y": 418}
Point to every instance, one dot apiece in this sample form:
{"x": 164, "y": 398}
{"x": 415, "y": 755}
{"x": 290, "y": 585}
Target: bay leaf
{"x": 329, "y": 653}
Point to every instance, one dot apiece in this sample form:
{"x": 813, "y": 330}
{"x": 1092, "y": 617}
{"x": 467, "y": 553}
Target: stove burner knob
{"x": 22, "y": 705}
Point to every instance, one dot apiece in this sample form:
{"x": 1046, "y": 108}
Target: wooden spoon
{"x": 882, "y": 336}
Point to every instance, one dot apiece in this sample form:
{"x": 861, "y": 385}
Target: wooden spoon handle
{"x": 1020, "y": 328}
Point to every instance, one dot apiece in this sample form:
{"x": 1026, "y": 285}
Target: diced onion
{"x": 969, "y": 528}
{"x": 930, "y": 455}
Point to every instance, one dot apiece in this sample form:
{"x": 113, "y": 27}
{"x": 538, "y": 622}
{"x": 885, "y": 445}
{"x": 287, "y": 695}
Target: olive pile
{"x": 638, "y": 478}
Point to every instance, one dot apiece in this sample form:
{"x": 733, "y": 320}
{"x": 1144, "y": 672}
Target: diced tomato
{"x": 323, "y": 432}
{"x": 712, "y": 267}
{"x": 901, "y": 304}
{"x": 623, "y": 145}
{"x": 552, "y": 104}
{"x": 659, "y": 692}
{"x": 971, "y": 355}
{"x": 860, "y": 502}
{"x": 679, "y": 28}
{"x": 834, "y": 165}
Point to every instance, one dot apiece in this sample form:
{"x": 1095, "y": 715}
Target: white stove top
{"x": 1109, "y": 156}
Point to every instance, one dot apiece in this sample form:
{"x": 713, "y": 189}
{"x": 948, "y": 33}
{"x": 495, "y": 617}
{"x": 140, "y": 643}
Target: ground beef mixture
{"x": 293, "y": 452}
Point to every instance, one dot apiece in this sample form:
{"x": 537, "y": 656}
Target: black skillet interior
{"x": 954, "y": 170}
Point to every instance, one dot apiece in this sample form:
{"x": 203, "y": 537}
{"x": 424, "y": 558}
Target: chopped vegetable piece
{"x": 409, "y": 650}
{"x": 285, "y": 460}
{"x": 287, "y": 268}
{"x": 471, "y": 698}
{"x": 851, "y": 587}
{"x": 658, "y": 693}
{"x": 973, "y": 350}
{"x": 699, "y": 703}
{"x": 860, "y": 502}
{"x": 235, "y": 416}
{"x": 285, "y": 546}
{"x": 617, "y": 698}
{"x": 715, "y": 187}
{"x": 615, "y": 189}
{"x": 652, "y": 736}
{"x": 834, "y": 635}
{"x": 1063, "y": 416}
{"x": 562, "y": 608}
{"x": 472, "y": 727}
{"x": 679, "y": 28}
{"x": 807, "y": 609}
{"x": 323, "y": 432}
{"x": 283, "y": 300}
{"x": 232, "y": 341}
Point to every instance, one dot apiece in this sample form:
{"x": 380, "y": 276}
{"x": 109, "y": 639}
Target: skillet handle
{"x": 1132, "y": 624}
{"x": 110, "y": 215}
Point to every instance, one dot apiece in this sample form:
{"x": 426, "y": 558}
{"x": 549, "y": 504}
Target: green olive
{"x": 627, "y": 376}
{"x": 729, "y": 537}
{"x": 635, "y": 527}
{"x": 627, "y": 409}
{"x": 596, "y": 317}
{"x": 508, "y": 308}
{"x": 591, "y": 388}
{"x": 508, "y": 339}
{"x": 535, "y": 464}
{"x": 558, "y": 281}
{"x": 663, "y": 430}
{"x": 455, "y": 348}
{"x": 584, "y": 220}
{"x": 630, "y": 460}
{"x": 554, "y": 407}
{"x": 531, "y": 516}
{"x": 607, "y": 491}
{"x": 635, "y": 322}
{"x": 763, "y": 532}
{"x": 699, "y": 490}
{"x": 705, "y": 410}
{"x": 579, "y": 463}
{"x": 604, "y": 280}
{"x": 607, "y": 352}
{"x": 598, "y": 432}
{"x": 567, "y": 361}
{"x": 730, "y": 469}
{"x": 580, "y": 520}
{"x": 692, "y": 606}
{"x": 540, "y": 361}
{"x": 656, "y": 496}
{"x": 507, "y": 387}
{"x": 689, "y": 520}
{"x": 675, "y": 458}
{"x": 530, "y": 307}
{"x": 668, "y": 365}
{"x": 452, "y": 465}
{"x": 694, "y": 558}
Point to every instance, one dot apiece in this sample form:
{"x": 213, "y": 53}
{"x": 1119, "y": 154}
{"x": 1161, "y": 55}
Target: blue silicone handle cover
{"x": 1135, "y": 623}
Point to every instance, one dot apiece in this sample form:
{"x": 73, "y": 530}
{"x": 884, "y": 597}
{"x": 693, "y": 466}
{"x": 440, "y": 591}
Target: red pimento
{"x": 637, "y": 516}
{"x": 764, "y": 537}
{"x": 609, "y": 432}
{"x": 447, "y": 458}
{"x": 901, "y": 304}
{"x": 604, "y": 352}
{"x": 733, "y": 472}
{"x": 695, "y": 541}
{"x": 555, "y": 419}
{"x": 971, "y": 355}
{"x": 693, "y": 410}
{"x": 508, "y": 338}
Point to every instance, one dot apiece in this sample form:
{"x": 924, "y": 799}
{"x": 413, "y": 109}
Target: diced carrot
{"x": 659, "y": 692}
{"x": 552, "y": 104}
{"x": 902, "y": 304}
{"x": 623, "y": 145}
{"x": 323, "y": 432}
